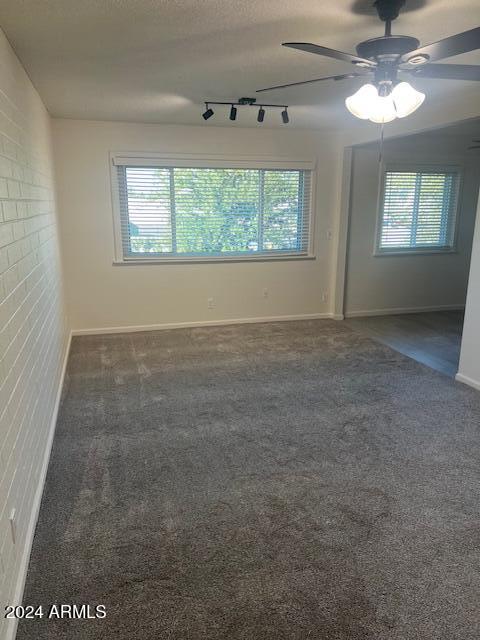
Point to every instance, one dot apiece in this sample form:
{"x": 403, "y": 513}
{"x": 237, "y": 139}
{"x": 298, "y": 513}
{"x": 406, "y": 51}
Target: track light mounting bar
{"x": 247, "y": 104}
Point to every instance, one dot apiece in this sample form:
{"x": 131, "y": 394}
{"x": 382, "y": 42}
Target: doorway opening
{"x": 411, "y": 225}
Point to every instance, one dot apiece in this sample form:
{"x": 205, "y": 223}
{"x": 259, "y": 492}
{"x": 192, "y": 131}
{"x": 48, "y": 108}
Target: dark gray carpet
{"x": 260, "y": 482}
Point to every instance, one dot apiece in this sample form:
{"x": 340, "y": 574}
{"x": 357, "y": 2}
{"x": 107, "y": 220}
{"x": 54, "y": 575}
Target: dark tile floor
{"x": 431, "y": 338}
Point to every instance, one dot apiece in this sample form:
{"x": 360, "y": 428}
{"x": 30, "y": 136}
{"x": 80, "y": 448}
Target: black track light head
{"x": 233, "y": 112}
{"x": 208, "y": 113}
{"x": 285, "y": 117}
{"x": 261, "y": 114}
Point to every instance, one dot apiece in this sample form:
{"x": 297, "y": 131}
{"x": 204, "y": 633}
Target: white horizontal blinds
{"x": 419, "y": 209}
{"x": 285, "y": 210}
{"x": 145, "y": 202}
{"x": 186, "y": 211}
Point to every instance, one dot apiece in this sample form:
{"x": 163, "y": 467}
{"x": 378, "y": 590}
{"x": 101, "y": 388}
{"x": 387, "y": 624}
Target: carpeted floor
{"x": 260, "y": 482}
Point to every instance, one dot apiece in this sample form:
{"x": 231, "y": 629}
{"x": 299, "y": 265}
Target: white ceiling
{"x": 158, "y": 60}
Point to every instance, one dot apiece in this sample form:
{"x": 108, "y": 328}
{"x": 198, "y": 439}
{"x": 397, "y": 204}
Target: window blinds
{"x": 207, "y": 212}
{"x": 419, "y": 210}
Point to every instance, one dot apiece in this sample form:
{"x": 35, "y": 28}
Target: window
{"x": 202, "y": 211}
{"x": 418, "y": 211}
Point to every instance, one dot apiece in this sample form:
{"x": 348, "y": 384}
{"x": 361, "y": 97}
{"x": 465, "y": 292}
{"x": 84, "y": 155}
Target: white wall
{"x": 32, "y": 326}
{"x": 410, "y": 282}
{"x": 104, "y": 296}
{"x": 469, "y": 367}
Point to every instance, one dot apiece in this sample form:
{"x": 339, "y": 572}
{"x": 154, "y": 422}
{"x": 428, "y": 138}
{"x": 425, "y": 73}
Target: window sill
{"x": 413, "y": 252}
{"x": 127, "y": 262}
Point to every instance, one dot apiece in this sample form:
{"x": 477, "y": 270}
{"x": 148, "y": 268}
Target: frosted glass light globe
{"x": 360, "y": 103}
{"x": 382, "y": 110}
{"x": 406, "y": 99}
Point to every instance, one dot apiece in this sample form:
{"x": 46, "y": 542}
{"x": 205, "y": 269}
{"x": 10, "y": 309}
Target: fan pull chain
{"x": 380, "y": 154}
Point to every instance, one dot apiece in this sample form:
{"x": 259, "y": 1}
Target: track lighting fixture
{"x": 246, "y": 102}
{"x": 208, "y": 113}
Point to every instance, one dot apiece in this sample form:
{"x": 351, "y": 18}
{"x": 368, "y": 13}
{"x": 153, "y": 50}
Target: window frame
{"x": 220, "y": 161}
{"x": 417, "y": 167}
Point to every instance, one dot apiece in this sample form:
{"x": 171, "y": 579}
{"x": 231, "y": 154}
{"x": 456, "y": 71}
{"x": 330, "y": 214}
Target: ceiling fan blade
{"x": 296, "y": 84}
{"x": 330, "y": 53}
{"x": 451, "y": 46}
{"x": 448, "y": 71}
{"x": 474, "y": 147}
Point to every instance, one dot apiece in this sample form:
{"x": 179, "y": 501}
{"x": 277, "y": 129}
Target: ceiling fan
{"x": 386, "y": 58}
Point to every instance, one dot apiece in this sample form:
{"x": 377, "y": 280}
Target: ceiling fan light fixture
{"x": 406, "y": 99}
{"x": 359, "y": 104}
{"x": 367, "y": 104}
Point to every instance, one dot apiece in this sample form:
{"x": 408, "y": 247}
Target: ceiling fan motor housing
{"x": 386, "y": 48}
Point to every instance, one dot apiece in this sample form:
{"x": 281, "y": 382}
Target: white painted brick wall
{"x": 32, "y": 325}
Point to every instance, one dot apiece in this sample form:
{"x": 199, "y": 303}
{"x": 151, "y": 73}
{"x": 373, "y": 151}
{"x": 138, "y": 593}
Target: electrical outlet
{"x": 265, "y": 293}
{"x": 328, "y": 234}
{"x": 13, "y": 525}
{"x": 324, "y": 296}
{"x": 210, "y": 303}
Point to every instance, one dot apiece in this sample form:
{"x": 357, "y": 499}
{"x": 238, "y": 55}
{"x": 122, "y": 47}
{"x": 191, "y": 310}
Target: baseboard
{"x": 466, "y": 380}
{"x": 201, "y": 323}
{"x": 22, "y": 574}
{"x": 400, "y": 310}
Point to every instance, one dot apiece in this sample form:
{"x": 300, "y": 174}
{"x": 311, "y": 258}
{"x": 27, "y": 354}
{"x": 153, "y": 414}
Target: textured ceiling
{"x": 158, "y": 60}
